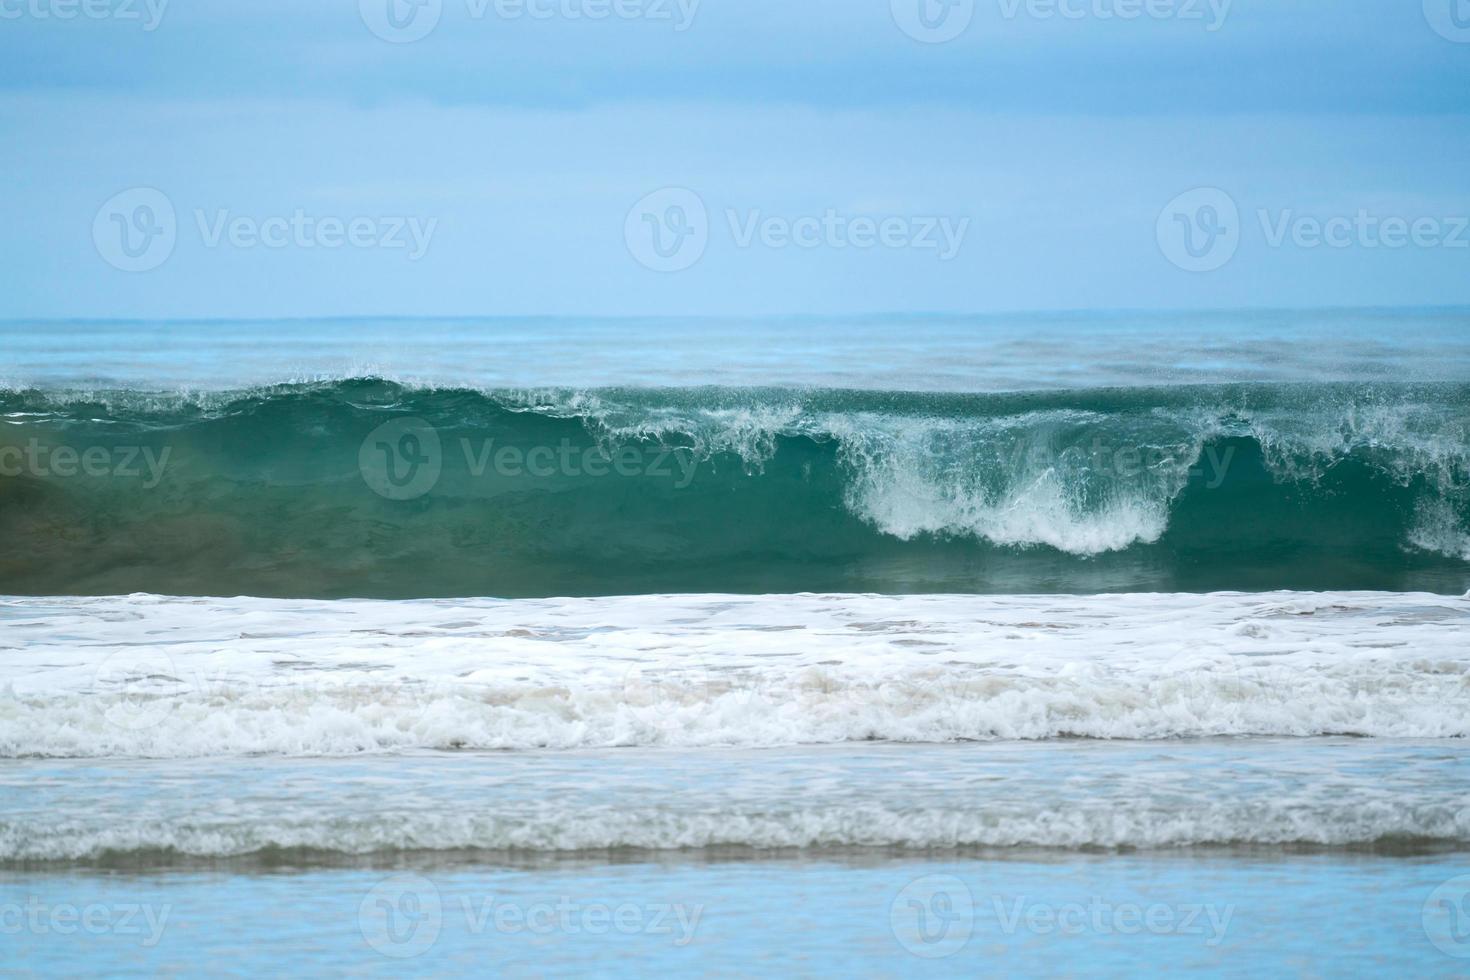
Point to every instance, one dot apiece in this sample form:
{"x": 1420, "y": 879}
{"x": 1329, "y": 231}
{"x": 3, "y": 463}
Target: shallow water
{"x": 1113, "y": 916}
{"x": 294, "y": 785}
{"x": 1386, "y": 796}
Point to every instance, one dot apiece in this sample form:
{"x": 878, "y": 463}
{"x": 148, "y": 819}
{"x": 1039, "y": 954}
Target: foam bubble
{"x": 254, "y": 676}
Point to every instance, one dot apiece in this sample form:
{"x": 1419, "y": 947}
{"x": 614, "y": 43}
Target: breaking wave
{"x": 367, "y": 488}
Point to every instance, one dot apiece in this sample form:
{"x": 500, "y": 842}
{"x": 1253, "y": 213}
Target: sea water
{"x": 901, "y": 645}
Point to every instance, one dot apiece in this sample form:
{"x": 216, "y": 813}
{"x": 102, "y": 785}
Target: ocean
{"x": 894, "y": 645}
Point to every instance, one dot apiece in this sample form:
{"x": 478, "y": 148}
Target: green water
{"x": 367, "y": 488}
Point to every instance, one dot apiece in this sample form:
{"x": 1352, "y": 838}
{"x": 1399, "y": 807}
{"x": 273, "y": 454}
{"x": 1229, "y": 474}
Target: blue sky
{"x": 817, "y": 157}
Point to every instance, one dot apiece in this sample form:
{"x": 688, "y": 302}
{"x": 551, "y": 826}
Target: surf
{"x": 369, "y": 488}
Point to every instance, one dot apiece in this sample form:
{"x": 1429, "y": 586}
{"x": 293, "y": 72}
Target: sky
{"x": 307, "y": 158}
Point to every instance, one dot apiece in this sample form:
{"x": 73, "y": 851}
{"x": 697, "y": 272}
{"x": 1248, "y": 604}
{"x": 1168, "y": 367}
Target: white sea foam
{"x": 1336, "y": 792}
{"x": 1080, "y": 481}
{"x": 1439, "y": 529}
{"x": 148, "y": 676}
{"x": 799, "y": 827}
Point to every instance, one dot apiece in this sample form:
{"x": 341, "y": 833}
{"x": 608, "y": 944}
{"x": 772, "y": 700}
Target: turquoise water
{"x": 367, "y": 488}
{"x": 1321, "y": 450}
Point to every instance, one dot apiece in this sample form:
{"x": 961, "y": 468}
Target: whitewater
{"x": 159, "y": 677}
{"x": 759, "y": 722}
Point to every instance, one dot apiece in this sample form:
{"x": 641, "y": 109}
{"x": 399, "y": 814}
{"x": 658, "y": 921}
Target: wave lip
{"x": 159, "y": 677}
